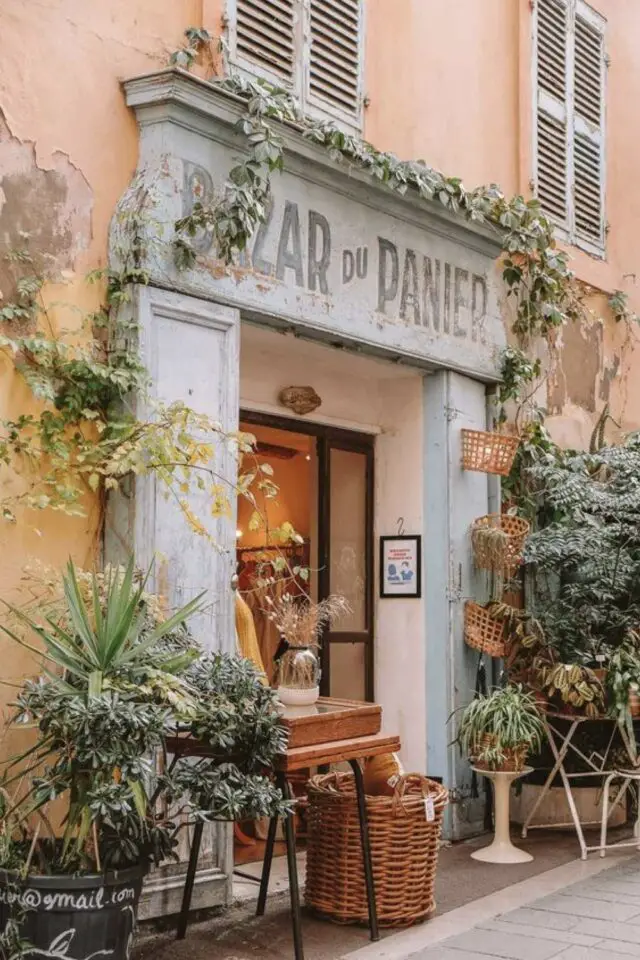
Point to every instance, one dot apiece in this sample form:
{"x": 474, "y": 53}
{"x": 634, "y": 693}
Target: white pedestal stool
{"x": 502, "y": 850}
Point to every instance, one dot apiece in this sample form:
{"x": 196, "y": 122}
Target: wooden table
{"x": 299, "y": 758}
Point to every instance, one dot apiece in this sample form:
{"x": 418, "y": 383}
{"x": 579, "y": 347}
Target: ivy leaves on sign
{"x": 536, "y": 273}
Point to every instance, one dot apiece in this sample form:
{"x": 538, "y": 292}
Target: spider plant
{"x": 500, "y": 727}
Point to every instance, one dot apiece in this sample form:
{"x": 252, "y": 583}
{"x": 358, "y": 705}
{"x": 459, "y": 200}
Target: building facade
{"x": 390, "y": 307}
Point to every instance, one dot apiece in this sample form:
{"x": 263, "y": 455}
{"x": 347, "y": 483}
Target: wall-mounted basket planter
{"x": 498, "y": 541}
{"x": 481, "y": 631}
{"x": 489, "y": 452}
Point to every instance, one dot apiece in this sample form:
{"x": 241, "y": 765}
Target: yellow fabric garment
{"x": 246, "y": 636}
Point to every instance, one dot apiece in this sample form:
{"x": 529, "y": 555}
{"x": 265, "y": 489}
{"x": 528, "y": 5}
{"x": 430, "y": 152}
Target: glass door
{"x": 346, "y": 561}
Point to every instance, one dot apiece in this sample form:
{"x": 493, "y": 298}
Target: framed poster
{"x": 401, "y": 566}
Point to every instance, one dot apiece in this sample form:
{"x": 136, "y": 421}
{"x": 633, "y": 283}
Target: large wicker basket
{"x": 404, "y": 848}
{"x": 515, "y": 531}
{"x": 482, "y": 632}
{"x": 489, "y": 452}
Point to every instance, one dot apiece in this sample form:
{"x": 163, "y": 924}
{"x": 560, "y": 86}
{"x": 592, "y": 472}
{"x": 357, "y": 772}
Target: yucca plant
{"x": 499, "y": 729}
{"x": 119, "y": 677}
{"x": 96, "y": 644}
{"x": 109, "y": 693}
{"x": 116, "y": 682}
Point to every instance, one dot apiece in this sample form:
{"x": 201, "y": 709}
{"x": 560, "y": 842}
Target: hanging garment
{"x": 247, "y": 641}
{"x": 267, "y": 633}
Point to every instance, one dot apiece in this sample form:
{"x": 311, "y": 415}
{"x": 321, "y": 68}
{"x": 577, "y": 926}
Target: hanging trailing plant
{"x": 86, "y": 437}
{"x": 536, "y": 272}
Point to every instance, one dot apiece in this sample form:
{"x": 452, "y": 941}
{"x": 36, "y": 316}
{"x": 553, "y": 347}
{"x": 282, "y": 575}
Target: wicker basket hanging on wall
{"x": 489, "y": 452}
{"x": 404, "y": 849}
{"x": 498, "y": 541}
{"x": 482, "y": 632}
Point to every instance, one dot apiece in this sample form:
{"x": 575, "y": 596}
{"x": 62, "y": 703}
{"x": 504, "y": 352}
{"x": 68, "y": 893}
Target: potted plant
{"x": 584, "y": 564}
{"x": 300, "y": 623}
{"x": 119, "y": 678}
{"x": 498, "y": 730}
{"x": 498, "y": 541}
{"x": 623, "y": 684}
{"x": 571, "y": 688}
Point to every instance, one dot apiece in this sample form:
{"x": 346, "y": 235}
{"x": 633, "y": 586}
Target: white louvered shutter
{"x": 266, "y": 36}
{"x": 334, "y": 66}
{"x": 588, "y": 126}
{"x": 552, "y": 109}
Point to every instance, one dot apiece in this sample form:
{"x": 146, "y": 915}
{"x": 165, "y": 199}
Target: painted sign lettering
{"x": 98, "y": 899}
{"x": 297, "y": 247}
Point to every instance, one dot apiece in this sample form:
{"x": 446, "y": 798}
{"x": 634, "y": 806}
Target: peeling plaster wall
{"x": 68, "y": 148}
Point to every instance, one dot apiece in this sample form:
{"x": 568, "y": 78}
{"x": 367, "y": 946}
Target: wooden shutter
{"x": 265, "y": 35}
{"x": 334, "y": 56}
{"x": 552, "y": 175}
{"x": 588, "y": 126}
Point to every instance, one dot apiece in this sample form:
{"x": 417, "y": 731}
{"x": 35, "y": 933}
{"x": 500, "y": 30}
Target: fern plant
{"x": 587, "y": 562}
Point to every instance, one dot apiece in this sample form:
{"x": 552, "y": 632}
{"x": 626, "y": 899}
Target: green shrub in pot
{"x": 623, "y": 686}
{"x": 119, "y": 677}
{"x": 499, "y": 729}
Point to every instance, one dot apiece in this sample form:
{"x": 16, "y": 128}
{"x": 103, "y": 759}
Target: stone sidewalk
{"x": 594, "y": 919}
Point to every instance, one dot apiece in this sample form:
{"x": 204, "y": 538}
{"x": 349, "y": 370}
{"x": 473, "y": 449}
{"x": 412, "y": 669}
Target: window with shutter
{"x": 569, "y": 121}
{"x": 588, "y": 148}
{"x": 312, "y": 46}
{"x": 265, "y": 35}
{"x": 334, "y": 74}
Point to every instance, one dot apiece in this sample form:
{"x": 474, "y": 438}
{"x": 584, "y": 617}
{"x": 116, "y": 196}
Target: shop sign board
{"x": 338, "y": 256}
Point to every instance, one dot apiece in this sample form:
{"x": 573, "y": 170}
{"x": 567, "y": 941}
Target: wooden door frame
{"x": 328, "y": 437}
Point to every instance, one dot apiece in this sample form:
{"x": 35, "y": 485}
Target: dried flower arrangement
{"x": 300, "y": 624}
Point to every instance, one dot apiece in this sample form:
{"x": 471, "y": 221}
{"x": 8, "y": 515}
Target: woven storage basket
{"x": 516, "y": 531}
{"x": 514, "y": 757}
{"x": 482, "y": 631}
{"x": 404, "y": 850}
{"x": 489, "y": 452}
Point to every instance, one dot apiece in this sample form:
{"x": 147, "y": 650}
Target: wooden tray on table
{"x": 331, "y": 719}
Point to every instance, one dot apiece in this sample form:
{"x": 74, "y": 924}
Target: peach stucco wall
{"x": 448, "y": 82}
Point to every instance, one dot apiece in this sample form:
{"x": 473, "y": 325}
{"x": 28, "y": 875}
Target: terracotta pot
{"x": 542, "y": 702}
{"x": 634, "y": 704}
{"x": 515, "y": 598}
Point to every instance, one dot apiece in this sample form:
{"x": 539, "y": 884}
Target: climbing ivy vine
{"x": 86, "y": 435}
{"x": 539, "y": 281}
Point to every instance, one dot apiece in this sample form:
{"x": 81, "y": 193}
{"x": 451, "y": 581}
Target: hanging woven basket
{"x": 404, "y": 830}
{"x": 482, "y": 632}
{"x": 498, "y": 541}
{"x": 489, "y": 452}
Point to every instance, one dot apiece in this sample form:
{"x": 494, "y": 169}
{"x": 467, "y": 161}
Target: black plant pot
{"x": 73, "y": 918}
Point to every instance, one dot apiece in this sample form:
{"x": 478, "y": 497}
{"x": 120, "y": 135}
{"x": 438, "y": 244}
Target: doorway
{"x": 326, "y": 490}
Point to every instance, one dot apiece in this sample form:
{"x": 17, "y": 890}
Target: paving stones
{"x": 596, "y": 919}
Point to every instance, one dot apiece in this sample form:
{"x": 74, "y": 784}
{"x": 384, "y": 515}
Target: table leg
{"x": 569, "y": 795}
{"x": 366, "y": 850}
{"x": 183, "y": 919}
{"x": 266, "y": 866}
{"x": 294, "y": 891}
{"x": 559, "y": 760}
{"x": 605, "y": 814}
